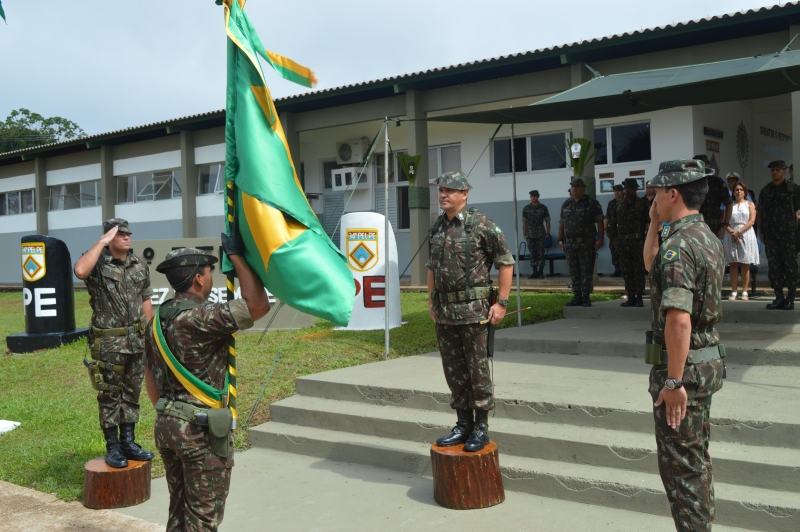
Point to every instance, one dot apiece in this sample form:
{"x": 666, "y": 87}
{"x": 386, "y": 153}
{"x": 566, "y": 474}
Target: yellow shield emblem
{"x": 362, "y": 249}
{"x": 33, "y": 263}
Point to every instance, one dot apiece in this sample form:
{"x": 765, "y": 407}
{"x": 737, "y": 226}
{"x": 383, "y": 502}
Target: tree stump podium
{"x": 105, "y": 487}
{"x": 465, "y": 481}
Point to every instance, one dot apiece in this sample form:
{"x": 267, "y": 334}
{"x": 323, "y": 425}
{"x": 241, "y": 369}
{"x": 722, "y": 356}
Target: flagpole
{"x": 386, "y": 235}
{"x": 230, "y": 195}
{"x": 516, "y": 221}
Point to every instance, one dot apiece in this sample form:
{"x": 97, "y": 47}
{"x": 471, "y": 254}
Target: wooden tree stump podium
{"x": 465, "y": 481}
{"x": 105, "y": 487}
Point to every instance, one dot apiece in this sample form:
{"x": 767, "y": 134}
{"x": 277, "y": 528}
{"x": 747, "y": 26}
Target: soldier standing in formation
{"x": 718, "y": 195}
{"x": 536, "y": 228}
{"x": 464, "y": 245}
{"x": 119, "y": 294}
{"x": 579, "y": 241}
{"x": 189, "y": 337}
{"x": 685, "y": 290}
{"x": 612, "y": 237}
{"x": 629, "y": 221}
{"x": 776, "y": 216}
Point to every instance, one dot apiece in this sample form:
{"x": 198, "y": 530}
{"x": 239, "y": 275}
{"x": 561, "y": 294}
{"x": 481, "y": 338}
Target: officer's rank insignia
{"x": 671, "y": 254}
{"x": 665, "y": 232}
{"x": 362, "y": 249}
{"x": 33, "y": 263}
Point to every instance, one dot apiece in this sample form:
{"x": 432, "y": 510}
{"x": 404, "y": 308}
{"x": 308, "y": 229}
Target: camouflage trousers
{"x": 580, "y": 257}
{"x": 466, "y": 365}
{"x": 198, "y": 480}
{"x": 782, "y": 260}
{"x": 631, "y": 263}
{"x": 536, "y": 249}
{"x": 123, "y": 405}
{"x": 613, "y": 244}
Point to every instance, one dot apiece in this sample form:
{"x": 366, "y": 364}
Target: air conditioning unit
{"x": 345, "y": 178}
{"x": 352, "y": 151}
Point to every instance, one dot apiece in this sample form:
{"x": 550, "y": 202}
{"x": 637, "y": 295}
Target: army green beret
{"x": 630, "y": 182}
{"x": 454, "y": 180}
{"x": 673, "y": 173}
{"x": 119, "y": 222}
{"x": 778, "y": 164}
{"x": 186, "y": 257}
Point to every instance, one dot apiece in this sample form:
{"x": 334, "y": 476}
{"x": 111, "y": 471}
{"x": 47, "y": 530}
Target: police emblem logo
{"x": 33, "y": 262}
{"x": 362, "y": 249}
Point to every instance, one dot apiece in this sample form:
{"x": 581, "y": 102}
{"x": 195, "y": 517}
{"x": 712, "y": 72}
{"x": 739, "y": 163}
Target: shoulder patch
{"x": 209, "y": 307}
{"x": 671, "y": 254}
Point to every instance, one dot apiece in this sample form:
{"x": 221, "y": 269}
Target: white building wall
{"x": 210, "y": 205}
{"x": 18, "y": 223}
{"x": 85, "y": 217}
{"x": 150, "y": 211}
{"x": 209, "y": 154}
{"x": 76, "y": 174}
{"x": 148, "y": 163}
{"x": 19, "y": 182}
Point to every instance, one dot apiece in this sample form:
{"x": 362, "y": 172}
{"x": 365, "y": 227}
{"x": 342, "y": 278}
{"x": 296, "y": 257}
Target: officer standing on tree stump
{"x": 612, "y": 237}
{"x": 536, "y": 228}
{"x": 119, "y": 294}
{"x": 629, "y": 221}
{"x": 464, "y": 244}
{"x": 187, "y": 353}
{"x": 576, "y": 236}
{"x": 777, "y": 211}
{"x": 683, "y": 346}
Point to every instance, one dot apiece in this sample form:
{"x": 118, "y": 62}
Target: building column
{"x": 40, "y": 194}
{"x": 584, "y": 128}
{"x": 794, "y": 30}
{"x": 292, "y": 139}
{"x": 108, "y": 185}
{"x": 189, "y": 178}
{"x": 419, "y": 195}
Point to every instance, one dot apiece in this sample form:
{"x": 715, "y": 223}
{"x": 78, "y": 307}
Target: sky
{"x": 114, "y": 64}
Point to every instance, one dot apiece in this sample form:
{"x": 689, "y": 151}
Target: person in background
{"x": 629, "y": 221}
{"x": 732, "y": 178}
{"x": 536, "y": 228}
{"x": 741, "y": 248}
{"x": 612, "y": 237}
{"x": 716, "y": 207}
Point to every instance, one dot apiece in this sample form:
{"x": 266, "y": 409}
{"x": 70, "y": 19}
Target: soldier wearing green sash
{"x": 187, "y": 352}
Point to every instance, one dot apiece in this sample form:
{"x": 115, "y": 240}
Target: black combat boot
{"x": 789, "y": 300}
{"x": 587, "y": 300}
{"x": 534, "y": 273}
{"x": 576, "y": 300}
{"x": 114, "y": 457}
{"x": 541, "y": 272}
{"x": 460, "y": 432}
{"x": 780, "y": 302}
{"x": 480, "y": 434}
{"x": 129, "y": 447}
{"x": 631, "y": 301}
{"x": 639, "y": 302}
{"x": 616, "y": 273}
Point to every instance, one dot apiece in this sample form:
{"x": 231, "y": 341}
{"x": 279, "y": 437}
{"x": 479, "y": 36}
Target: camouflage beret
{"x": 578, "y": 182}
{"x": 778, "y": 164}
{"x": 454, "y": 180}
{"x": 619, "y": 188}
{"x": 186, "y": 257}
{"x": 534, "y": 193}
{"x": 630, "y": 182}
{"x": 703, "y": 158}
{"x": 673, "y": 173}
{"x": 119, "y": 222}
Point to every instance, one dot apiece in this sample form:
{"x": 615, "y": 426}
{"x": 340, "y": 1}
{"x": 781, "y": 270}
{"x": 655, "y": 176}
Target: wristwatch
{"x": 503, "y": 301}
{"x": 672, "y": 384}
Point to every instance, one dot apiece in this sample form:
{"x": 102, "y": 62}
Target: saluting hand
{"x": 109, "y": 236}
{"x": 675, "y": 404}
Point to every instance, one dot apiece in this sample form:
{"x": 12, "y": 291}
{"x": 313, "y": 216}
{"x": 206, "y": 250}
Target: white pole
{"x": 516, "y": 222}
{"x": 386, "y": 235}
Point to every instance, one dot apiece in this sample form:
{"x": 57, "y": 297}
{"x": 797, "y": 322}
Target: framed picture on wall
{"x": 639, "y": 183}
{"x": 606, "y": 185}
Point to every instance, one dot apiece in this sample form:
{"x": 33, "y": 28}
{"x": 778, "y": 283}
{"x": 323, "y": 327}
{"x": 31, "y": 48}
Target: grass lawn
{"x": 49, "y": 392}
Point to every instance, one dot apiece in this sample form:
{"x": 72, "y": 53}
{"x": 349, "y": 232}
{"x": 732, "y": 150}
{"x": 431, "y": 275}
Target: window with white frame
{"x": 532, "y": 153}
{"x": 75, "y": 195}
{"x": 17, "y": 202}
{"x": 154, "y": 186}
{"x": 211, "y": 179}
{"x": 626, "y": 143}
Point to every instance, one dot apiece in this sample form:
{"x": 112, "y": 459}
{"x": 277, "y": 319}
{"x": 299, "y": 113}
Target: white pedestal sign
{"x": 362, "y": 242}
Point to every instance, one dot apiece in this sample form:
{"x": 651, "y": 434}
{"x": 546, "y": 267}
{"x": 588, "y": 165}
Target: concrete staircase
{"x": 573, "y": 418}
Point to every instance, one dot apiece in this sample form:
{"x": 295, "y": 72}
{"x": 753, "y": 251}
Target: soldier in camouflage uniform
{"x": 776, "y": 216}
{"x": 119, "y": 293}
{"x": 717, "y": 195}
{"x": 612, "y": 237}
{"x": 576, "y": 235}
{"x": 464, "y": 245}
{"x": 196, "y": 332}
{"x": 629, "y": 221}
{"x": 535, "y": 217}
{"x": 685, "y": 288}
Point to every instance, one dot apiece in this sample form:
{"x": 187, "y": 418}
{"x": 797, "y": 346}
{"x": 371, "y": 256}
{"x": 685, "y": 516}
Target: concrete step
{"x": 592, "y": 392}
{"x": 756, "y": 466}
{"x": 744, "y": 507}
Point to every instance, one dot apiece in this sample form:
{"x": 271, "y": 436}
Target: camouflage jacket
{"x": 535, "y": 217}
{"x": 717, "y": 195}
{"x": 579, "y": 217}
{"x": 631, "y": 218}
{"x": 777, "y": 205}
{"x": 448, "y": 264}
{"x": 116, "y": 292}
{"x": 198, "y": 337}
{"x": 686, "y": 274}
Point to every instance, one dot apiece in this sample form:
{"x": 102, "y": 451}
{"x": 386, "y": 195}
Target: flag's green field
{"x": 49, "y": 391}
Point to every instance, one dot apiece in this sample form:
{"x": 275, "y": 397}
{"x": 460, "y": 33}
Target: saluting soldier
{"x": 629, "y": 221}
{"x": 464, "y": 245}
{"x": 579, "y": 241}
{"x": 536, "y": 227}
{"x": 189, "y": 337}
{"x": 119, "y": 293}
{"x": 685, "y": 290}
{"x": 612, "y": 237}
{"x": 717, "y": 196}
{"x": 777, "y": 213}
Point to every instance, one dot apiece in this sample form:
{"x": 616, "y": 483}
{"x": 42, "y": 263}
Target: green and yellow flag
{"x": 285, "y": 244}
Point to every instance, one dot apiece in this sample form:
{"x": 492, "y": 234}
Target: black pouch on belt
{"x": 220, "y": 421}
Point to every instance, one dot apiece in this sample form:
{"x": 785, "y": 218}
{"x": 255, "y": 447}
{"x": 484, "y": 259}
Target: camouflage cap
{"x": 630, "y": 182}
{"x": 186, "y": 257}
{"x": 454, "y": 180}
{"x": 578, "y": 182}
{"x": 778, "y": 164}
{"x": 673, "y": 173}
{"x": 119, "y": 222}
{"x": 534, "y": 193}
{"x": 619, "y": 188}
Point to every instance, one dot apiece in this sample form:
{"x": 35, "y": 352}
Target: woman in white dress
{"x": 740, "y": 245}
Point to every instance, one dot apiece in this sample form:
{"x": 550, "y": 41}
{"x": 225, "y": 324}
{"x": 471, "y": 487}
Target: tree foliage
{"x": 25, "y": 129}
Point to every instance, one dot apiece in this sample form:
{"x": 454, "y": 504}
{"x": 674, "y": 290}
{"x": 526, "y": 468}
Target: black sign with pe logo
{"x": 47, "y": 294}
